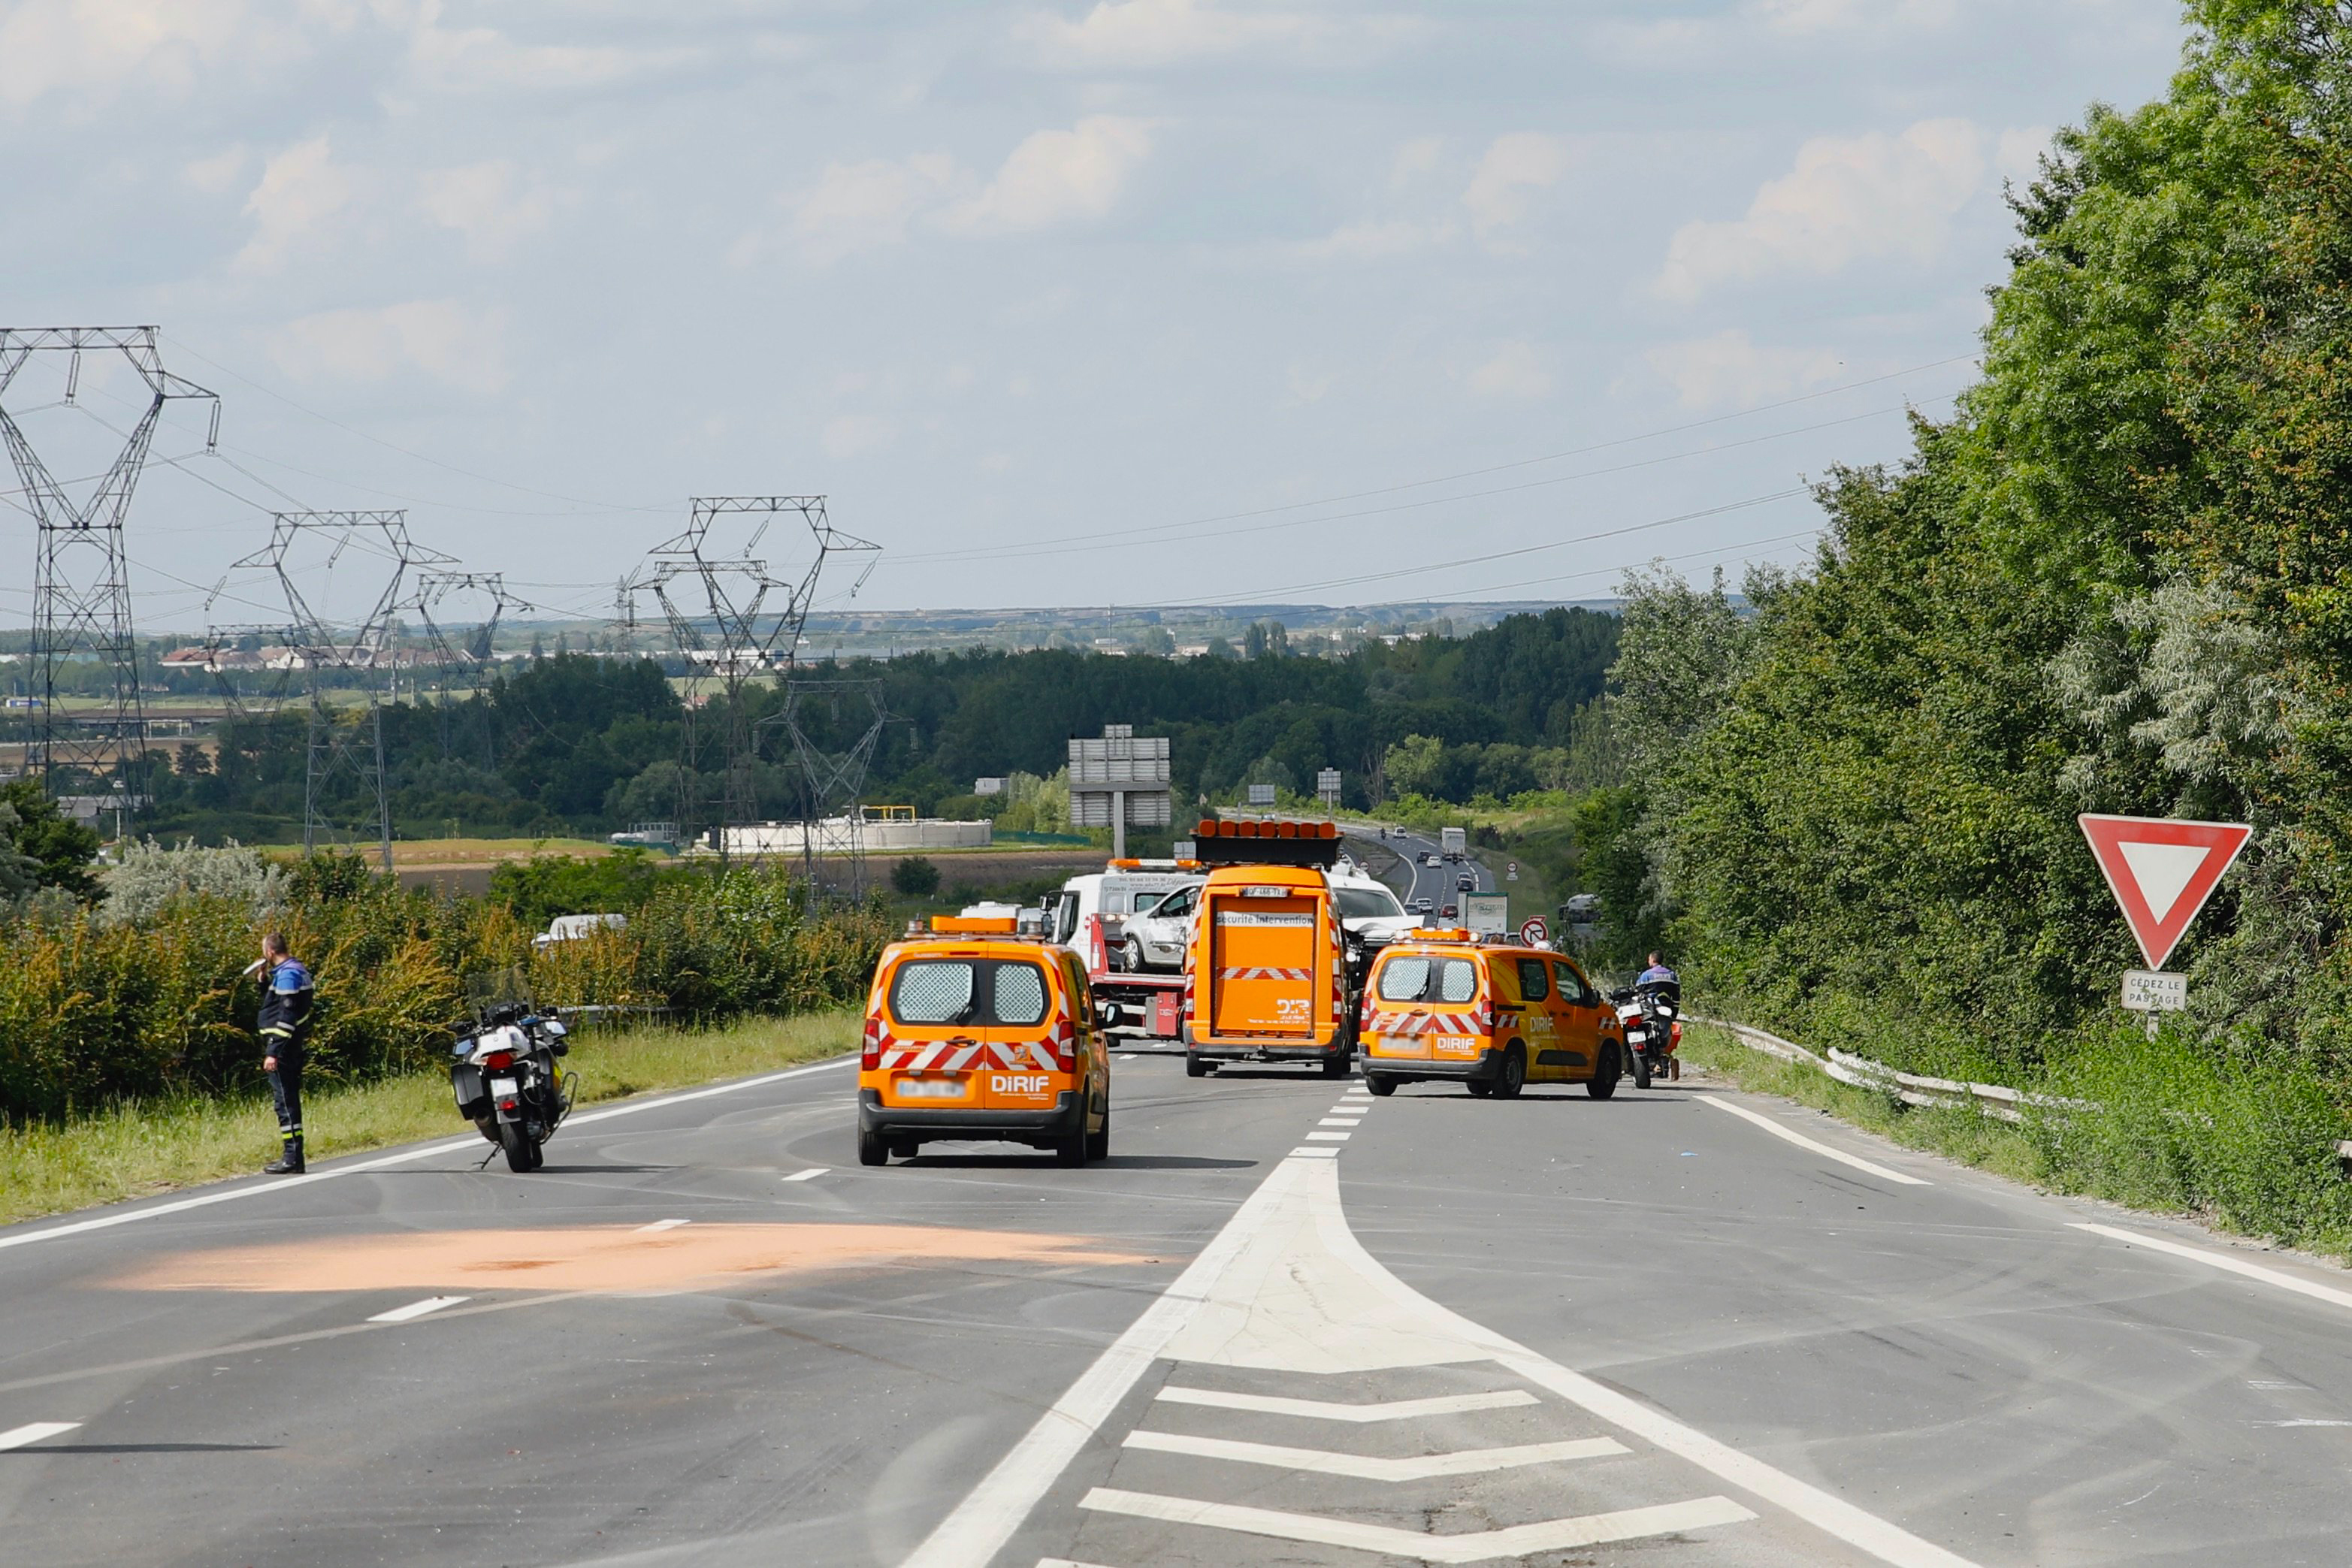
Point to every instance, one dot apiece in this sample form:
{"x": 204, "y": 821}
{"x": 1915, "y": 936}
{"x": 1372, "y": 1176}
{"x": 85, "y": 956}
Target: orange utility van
{"x": 1492, "y": 1016}
{"x": 973, "y": 1031}
{"x": 1265, "y": 974}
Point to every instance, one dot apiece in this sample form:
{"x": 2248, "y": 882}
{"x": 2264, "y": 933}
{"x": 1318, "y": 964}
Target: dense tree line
{"x": 576, "y": 744}
{"x": 2119, "y": 580}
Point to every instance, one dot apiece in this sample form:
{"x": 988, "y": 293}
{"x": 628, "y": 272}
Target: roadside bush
{"x": 916, "y": 877}
{"x": 96, "y": 1009}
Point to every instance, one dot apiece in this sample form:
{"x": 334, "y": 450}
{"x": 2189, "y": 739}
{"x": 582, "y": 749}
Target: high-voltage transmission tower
{"x": 460, "y": 612}
{"x": 345, "y": 748}
{"x": 833, "y": 782}
{"x": 81, "y": 584}
{"x": 730, "y": 617}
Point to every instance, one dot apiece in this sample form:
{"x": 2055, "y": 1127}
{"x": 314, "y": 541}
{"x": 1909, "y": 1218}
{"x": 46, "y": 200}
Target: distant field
{"x": 466, "y": 852}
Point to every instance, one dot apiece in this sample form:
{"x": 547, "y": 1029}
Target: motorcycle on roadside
{"x": 1651, "y": 1017}
{"x": 504, "y": 1070}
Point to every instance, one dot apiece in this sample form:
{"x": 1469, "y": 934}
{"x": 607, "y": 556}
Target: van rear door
{"x": 1263, "y": 954}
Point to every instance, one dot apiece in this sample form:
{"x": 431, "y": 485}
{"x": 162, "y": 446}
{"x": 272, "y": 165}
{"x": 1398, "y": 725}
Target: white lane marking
{"x": 1518, "y": 1540}
{"x": 976, "y": 1529}
{"x": 1328, "y": 1137}
{"x": 1311, "y": 1153}
{"x": 663, "y": 1225}
{"x": 1320, "y": 1461}
{"x": 424, "y": 1151}
{"x": 1328, "y": 1410}
{"x": 17, "y": 1437}
{"x": 809, "y": 1174}
{"x": 417, "y": 1309}
{"x": 2307, "y": 1423}
{"x": 1064, "y": 1563}
{"x": 1340, "y": 1121}
{"x": 2284, "y": 1281}
{"x": 1778, "y": 1131}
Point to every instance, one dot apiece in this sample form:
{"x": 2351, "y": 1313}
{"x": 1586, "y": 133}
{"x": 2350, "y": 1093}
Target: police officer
{"x": 285, "y": 1022}
{"x": 1657, "y": 974}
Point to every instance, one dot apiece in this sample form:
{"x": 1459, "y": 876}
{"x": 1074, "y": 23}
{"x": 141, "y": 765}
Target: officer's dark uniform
{"x": 285, "y": 1022}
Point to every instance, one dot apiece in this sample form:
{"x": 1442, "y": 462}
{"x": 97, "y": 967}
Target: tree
{"x": 60, "y": 849}
{"x": 915, "y": 876}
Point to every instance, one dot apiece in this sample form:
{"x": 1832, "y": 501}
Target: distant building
{"x": 988, "y": 786}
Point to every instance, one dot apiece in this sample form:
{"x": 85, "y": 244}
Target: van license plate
{"x": 931, "y": 1089}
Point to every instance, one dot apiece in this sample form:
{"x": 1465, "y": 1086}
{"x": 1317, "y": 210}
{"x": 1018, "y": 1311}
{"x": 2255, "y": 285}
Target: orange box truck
{"x": 1266, "y": 974}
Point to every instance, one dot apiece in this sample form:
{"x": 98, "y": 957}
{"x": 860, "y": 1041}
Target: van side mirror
{"x": 1106, "y": 1014}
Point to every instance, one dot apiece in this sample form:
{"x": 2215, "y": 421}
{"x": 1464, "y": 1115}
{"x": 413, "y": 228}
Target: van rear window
{"x": 1409, "y": 978}
{"x": 968, "y": 991}
{"x": 933, "y": 990}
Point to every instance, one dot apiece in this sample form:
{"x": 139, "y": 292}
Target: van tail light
{"x": 869, "y": 1055}
{"x": 1066, "y": 1049}
{"x": 498, "y": 1061}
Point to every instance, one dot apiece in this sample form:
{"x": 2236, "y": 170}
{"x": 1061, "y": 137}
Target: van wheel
{"x": 1603, "y": 1082}
{"x": 1071, "y": 1150}
{"x": 1338, "y": 1064}
{"x": 905, "y": 1148}
{"x": 871, "y": 1149}
{"x": 1514, "y": 1076}
{"x": 1198, "y": 1066}
{"x": 1099, "y": 1142}
{"x": 1381, "y": 1085}
{"x": 1479, "y": 1088}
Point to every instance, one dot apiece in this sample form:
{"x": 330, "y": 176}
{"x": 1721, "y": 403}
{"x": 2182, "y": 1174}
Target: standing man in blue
{"x": 285, "y": 1022}
{"x": 1657, "y": 974}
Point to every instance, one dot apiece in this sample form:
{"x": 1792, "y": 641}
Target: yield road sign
{"x": 2162, "y": 872}
{"x": 1534, "y": 932}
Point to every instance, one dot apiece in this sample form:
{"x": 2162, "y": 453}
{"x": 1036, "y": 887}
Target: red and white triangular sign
{"x": 2162, "y": 872}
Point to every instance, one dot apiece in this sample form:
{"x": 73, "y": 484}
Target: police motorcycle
{"x": 504, "y": 1071}
{"x": 1651, "y": 1016}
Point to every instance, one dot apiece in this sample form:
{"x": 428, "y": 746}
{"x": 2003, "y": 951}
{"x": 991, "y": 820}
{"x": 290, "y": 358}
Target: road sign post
{"x": 1118, "y": 782}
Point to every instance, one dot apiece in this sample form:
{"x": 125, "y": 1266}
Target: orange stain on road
{"x": 601, "y": 1258}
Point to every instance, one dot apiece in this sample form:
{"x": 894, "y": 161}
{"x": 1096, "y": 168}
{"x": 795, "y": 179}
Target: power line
{"x": 1455, "y": 561}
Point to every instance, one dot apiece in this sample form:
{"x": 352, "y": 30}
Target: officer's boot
{"x": 289, "y": 1161}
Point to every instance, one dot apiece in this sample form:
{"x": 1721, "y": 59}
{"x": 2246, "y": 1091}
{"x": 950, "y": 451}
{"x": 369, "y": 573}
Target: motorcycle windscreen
{"x": 1264, "y": 961}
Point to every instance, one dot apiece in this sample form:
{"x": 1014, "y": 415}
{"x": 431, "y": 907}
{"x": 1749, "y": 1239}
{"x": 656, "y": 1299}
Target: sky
{"x": 1133, "y": 302}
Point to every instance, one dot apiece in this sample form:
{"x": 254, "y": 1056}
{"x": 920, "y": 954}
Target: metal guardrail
{"x": 1994, "y": 1100}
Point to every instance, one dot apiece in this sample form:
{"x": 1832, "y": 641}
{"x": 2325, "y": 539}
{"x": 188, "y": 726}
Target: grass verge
{"x": 138, "y": 1150}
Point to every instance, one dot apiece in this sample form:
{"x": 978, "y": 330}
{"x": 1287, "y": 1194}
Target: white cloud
{"x": 853, "y": 434}
{"x": 486, "y": 202}
{"x": 1143, "y": 35}
{"x": 440, "y": 338}
{"x": 1056, "y": 177}
{"x": 121, "y": 47}
{"x": 1863, "y": 198}
{"x": 460, "y": 60}
{"x": 1730, "y": 370}
{"x": 1514, "y": 371}
{"x": 860, "y": 206}
{"x": 301, "y": 188}
{"x": 1512, "y": 167}
{"x": 216, "y": 173}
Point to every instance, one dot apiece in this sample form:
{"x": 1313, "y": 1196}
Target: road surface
{"x": 1439, "y": 883}
{"x": 1284, "y": 1322}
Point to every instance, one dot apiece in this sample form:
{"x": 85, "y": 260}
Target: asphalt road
{"x": 1284, "y": 1322}
{"x": 1440, "y": 883}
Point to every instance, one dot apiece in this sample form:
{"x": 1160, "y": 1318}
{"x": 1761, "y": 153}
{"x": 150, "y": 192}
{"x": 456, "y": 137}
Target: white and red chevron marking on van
{"x": 1414, "y": 1024}
{"x": 1299, "y": 975}
{"x": 958, "y": 1056}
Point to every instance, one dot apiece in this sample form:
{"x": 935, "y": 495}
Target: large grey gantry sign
{"x": 1119, "y": 782}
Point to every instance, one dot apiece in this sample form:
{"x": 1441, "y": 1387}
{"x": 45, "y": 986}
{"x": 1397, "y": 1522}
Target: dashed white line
{"x": 1778, "y": 1131}
{"x": 1310, "y": 1151}
{"x": 1330, "y": 1410}
{"x": 1340, "y": 1121}
{"x": 1319, "y": 1461}
{"x": 809, "y": 1174}
{"x": 417, "y": 1309}
{"x": 663, "y": 1225}
{"x": 17, "y": 1437}
{"x": 1478, "y": 1546}
{"x": 1327, "y": 1137}
{"x": 2278, "y": 1277}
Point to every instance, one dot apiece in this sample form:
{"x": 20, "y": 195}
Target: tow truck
{"x": 1086, "y": 916}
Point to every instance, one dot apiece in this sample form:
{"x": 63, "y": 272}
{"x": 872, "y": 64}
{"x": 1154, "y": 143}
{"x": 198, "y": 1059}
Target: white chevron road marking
{"x": 1462, "y": 1462}
{"x": 1479, "y": 1546}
